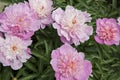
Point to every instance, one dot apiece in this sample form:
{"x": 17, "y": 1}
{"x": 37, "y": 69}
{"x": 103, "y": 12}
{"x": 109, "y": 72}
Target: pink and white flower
{"x": 108, "y": 31}
{"x": 19, "y": 20}
{"x": 69, "y": 64}
{"x": 14, "y": 51}
{"x": 43, "y": 8}
{"x": 71, "y": 25}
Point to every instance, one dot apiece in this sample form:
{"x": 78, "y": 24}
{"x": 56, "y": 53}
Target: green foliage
{"x": 105, "y": 59}
{"x": 12, "y": 1}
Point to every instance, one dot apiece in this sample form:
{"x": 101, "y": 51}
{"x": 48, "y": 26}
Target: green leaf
{"x": 20, "y": 72}
{"x": 30, "y": 66}
{"x": 29, "y": 77}
{"x": 39, "y": 55}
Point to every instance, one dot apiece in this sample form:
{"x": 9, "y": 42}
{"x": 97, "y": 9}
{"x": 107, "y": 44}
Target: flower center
{"x": 42, "y": 12}
{"x": 42, "y": 8}
{"x": 72, "y": 65}
{"x": 72, "y": 27}
{"x": 14, "y": 48}
{"x": 20, "y": 19}
{"x": 74, "y": 21}
{"x": 66, "y": 67}
{"x": 106, "y": 34}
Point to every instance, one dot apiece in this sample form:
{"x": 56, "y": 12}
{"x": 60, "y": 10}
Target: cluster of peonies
{"x": 72, "y": 28}
{"x": 18, "y": 22}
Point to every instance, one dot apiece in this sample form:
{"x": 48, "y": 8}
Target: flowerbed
{"x": 60, "y": 40}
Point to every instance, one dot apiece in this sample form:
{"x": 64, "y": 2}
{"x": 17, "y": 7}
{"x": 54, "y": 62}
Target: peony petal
{"x": 98, "y": 39}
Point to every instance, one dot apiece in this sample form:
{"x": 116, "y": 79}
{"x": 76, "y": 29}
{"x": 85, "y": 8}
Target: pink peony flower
{"x": 19, "y": 20}
{"x": 71, "y": 25}
{"x": 107, "y": 31}
{"x": 43, "y": 8}
{"x": 14, "y": 51}
{"x": 68, "y": 64}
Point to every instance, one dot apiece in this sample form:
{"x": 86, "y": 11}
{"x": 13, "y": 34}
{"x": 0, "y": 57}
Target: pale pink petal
{"x": 118, "y": 20}
{"x": 99, "y": 40}
{"x": 57, "y": 15}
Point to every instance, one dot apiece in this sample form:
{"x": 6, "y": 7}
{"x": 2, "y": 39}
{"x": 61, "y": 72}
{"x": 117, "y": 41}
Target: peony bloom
{"x": 19, "y": 20}
{"x": 14, "y": 51}
{"x": 68, "y": 64}
{"x": 43, "y": 8}
{"x": 107, "y": 31}
{"x": 71, "y": 25}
